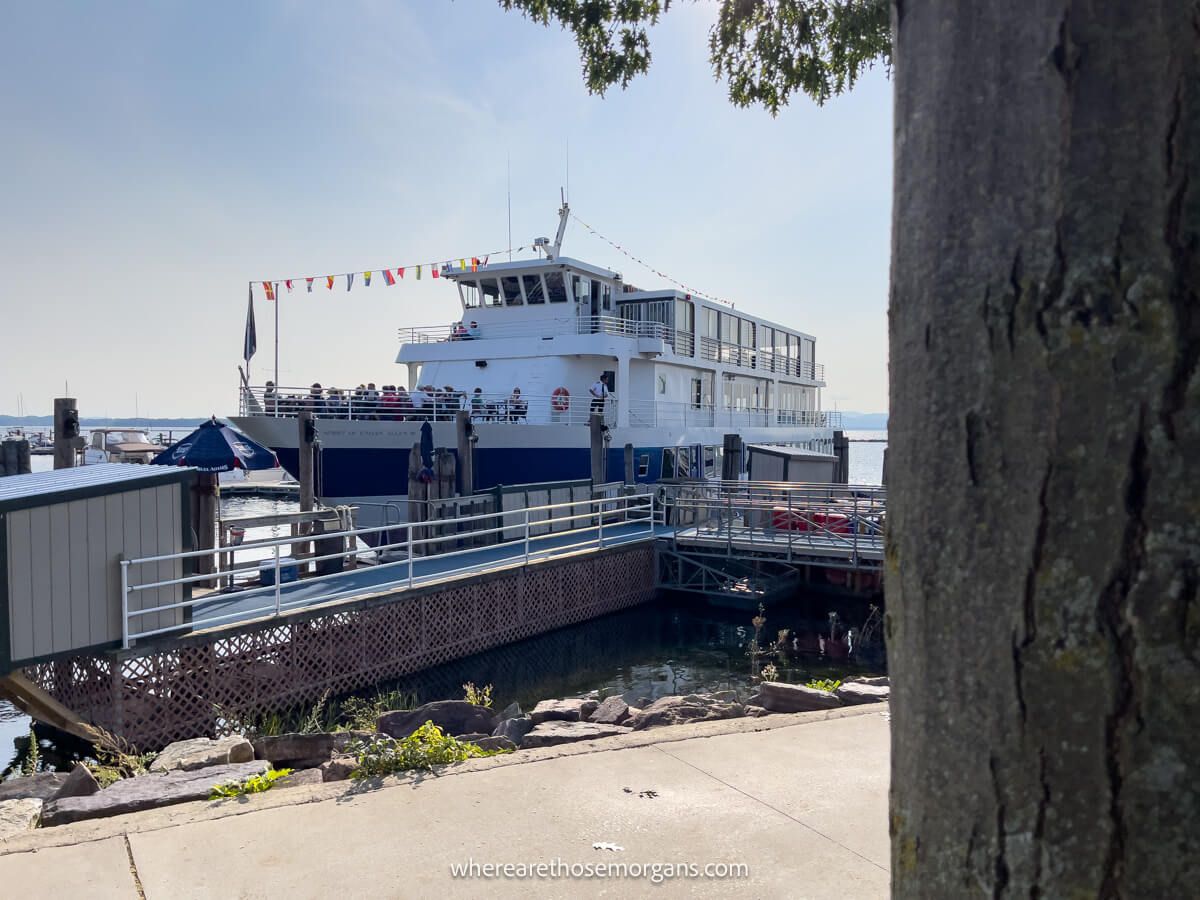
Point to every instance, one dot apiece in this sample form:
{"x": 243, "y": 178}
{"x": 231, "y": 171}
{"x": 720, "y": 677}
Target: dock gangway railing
{"x": 598, "y": 523}
{"x": 838, "y": 525}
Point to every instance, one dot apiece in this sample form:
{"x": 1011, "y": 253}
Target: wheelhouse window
{"x": 556, "y": 288}
{"x": 491, "y": 291}
{"x": 511, "y": 285}
{"x": 469, "y": 292}
{"x": 582, "y": 289}
{"x": 533, "y": 288}
{"x": 605, "y": 295}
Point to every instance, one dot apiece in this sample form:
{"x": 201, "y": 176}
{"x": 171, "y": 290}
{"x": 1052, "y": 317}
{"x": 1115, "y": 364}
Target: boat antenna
{"x": 509, "y": 165}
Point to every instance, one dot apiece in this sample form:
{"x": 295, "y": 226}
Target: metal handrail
{"x": 632, "y": 508}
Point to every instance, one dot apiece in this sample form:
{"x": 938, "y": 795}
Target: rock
{"x": 472, "y": 738}
{"x": 688, "y": 708}
{"x": 560, "y": 731}
{"x": 495, "y": 743}
{"x": 643, "y": 702}
{"x": 149, "y": 791}
{"x": 303, "y": 776}
{"x": 80, "y": 783}
{"x": 754, "y": 699}
{"x": 198, "y": 753}
{"x": 779, "y": 697}
{"x": 571, "y": 710}
{"x": 725, "y": 696}
{"x": 305, "y": 751}
{"x": 452, "y": 716}
{"x": 42, "y": 786}
{"x": 338, "y": 768}
{"x": 757, "y": 711}
{"x": 878, "y": 681}
{"x": 18, "y": 815}
{"x": 860, "y": 692}
{"x": 514, "y": 729}
{"x": 512, "y": 711}
{"x": 613, "y": 711}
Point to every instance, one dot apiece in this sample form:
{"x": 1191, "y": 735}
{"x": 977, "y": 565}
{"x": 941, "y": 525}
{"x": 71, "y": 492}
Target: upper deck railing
{"x": 759, "y": 359}
{"x": 548, "y": 328}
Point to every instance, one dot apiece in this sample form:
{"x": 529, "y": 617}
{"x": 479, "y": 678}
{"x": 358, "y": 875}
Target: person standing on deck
{"x": 599, "y": 392}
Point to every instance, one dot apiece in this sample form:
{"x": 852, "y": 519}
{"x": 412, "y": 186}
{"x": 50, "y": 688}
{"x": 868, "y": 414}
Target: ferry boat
{"x": 679, "y": 372}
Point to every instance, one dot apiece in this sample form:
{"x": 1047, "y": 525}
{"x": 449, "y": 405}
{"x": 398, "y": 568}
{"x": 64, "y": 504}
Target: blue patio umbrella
{"x": 214, "y": 447}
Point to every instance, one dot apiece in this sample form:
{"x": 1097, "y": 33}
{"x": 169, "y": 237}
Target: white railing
{"x": 664, "y": 414}
{"x": 605, "y": 521}
{"x": 561, "y": 408}
{"x": 548, "y": 328}
{"x": 760, "y": 359}
{"x": 843, "y": 521}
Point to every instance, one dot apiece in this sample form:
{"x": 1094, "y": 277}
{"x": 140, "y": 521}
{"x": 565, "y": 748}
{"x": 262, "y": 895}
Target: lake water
{"x": 668, "y": 647}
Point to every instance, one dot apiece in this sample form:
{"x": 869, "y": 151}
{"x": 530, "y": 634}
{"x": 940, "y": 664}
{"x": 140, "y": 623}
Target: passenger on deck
{"x": 373, "y": 401}
{"x": 403, "y": 404}
{"x": 472, "y": 332}
{"x": 517, "y": 407}
{"x": 458, "y": 332}
{"x": 477, "y": 405}
{"x": 599, "y": 392}
{"x": 335, "y": 404}
{"x": 358, "y": 402}
{"x": 270, "y": 399}
{"x": 316, "y": 402}
{"x": 389, "y": 407}
{"x": 421, "y": 402}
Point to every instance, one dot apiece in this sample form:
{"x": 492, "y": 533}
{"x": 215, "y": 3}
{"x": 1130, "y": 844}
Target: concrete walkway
{"x": 799, "y": 800}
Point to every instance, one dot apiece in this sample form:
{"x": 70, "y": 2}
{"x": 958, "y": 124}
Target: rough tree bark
{"x": 1044, "y": 533}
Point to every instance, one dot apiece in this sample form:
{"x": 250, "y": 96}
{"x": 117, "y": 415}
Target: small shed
{"x": 789, "y": 464}
{"x": 62, "y": 536}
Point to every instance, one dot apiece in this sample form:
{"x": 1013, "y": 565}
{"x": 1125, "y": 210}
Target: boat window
{"x": 491, "y": 291}
{"x": 710, "y": 323}
{"x": 606, "y": 295}
{"x": 512, "y": 290}
{"x": 710, "y": 461}
{"x": 582, "y": 289}
{"x": 668, "y": 463}
{"x": 643, "y": 465}
{"x": 685, "y": 461}
{"x": 469, "y": 293}
{"x": 556, "y": 289}
{"x": 533, "y": 288}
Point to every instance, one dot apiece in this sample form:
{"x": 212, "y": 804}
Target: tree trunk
{"x": 1044, "y": 524}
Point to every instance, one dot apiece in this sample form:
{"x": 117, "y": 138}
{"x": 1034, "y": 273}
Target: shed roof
{"x": 792, "y": 452}
{"x": 63, "y": 484}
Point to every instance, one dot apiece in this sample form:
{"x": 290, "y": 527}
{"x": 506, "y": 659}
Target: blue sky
{"x": 157, "y": 156}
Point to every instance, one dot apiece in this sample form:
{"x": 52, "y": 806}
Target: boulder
{"x": 512, "y": 711}
{"x": 514, "y": 729}
{"x": 860, "y": 692}
{"x": 877, "y": 681}
{"x": 303, "y": 776}
{"x": 559, "y": 731}
{"x": 80, "y": 783}
{"x": 570, "y": 710}
{"x": 18, "y": 815}
{"x": 725, "y": 696}
{"x": 452, "y": 716}
{"x": 199, "y": 753}
{"x": 472, "y": 738}
{"x": 613, "y": 711}
{"x": 495, "y": 743}
{"x": 756, "y": 711}
{"x": 338, "y": 768}
{"x": 305, "y": 751}
{"x": 775, "y": 696}
{"x": 688, "y": 708}
{"x": 42, "y": 786}
{"x": 149, "y": 791}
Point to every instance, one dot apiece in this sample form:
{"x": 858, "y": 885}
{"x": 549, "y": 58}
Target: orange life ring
{"x": 560, "y": 399}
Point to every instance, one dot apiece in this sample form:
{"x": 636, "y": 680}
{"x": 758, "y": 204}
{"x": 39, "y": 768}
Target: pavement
{"x": 799, "y": 800}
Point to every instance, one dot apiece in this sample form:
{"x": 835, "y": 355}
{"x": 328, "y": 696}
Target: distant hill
{"x": 860, "y": 421}
{"x": 143, "y": 422}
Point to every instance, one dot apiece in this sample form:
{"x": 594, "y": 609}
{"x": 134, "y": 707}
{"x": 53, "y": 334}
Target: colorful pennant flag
{"x": 434, "y": 268}
{"x": 289, "y": 285}
{"x": 329, "y": 282}
{"x": 388, "y": 278}
{"x": 349, "y": 280}
{"x": 474, "y": 263}
{"x": 270, "y": 291}
{"x": 367, "y": 278}
{"x": 310, "y": 281}
{"x": 418, "y": 273}
{"x": 462, "y": 263}
{"x": 400, "y": 272}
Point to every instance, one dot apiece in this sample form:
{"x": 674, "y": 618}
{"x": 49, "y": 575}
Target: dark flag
{"x": 250, "y": 343}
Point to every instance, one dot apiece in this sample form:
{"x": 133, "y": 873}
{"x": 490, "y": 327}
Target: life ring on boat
{"x": 560, "y": 400}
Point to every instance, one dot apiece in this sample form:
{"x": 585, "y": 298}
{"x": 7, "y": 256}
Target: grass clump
{"x": 255, "y": 784}
{"x": 478, "y": 696}
{"x": 825, "y": 684}
{"x": 425, "y": 748}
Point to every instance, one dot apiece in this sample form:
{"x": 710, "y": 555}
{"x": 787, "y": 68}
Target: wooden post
{"x": 731, "y": 462}
{"x": 596, "y": 426}
{"x": 14, "y": 457}
{"x": 629, "y": 477}
{"x": 466, "y": 455}
{"x": 305, "y": 440}
{"x": 204, "y": 522}
{"x": 66, "y": 430}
